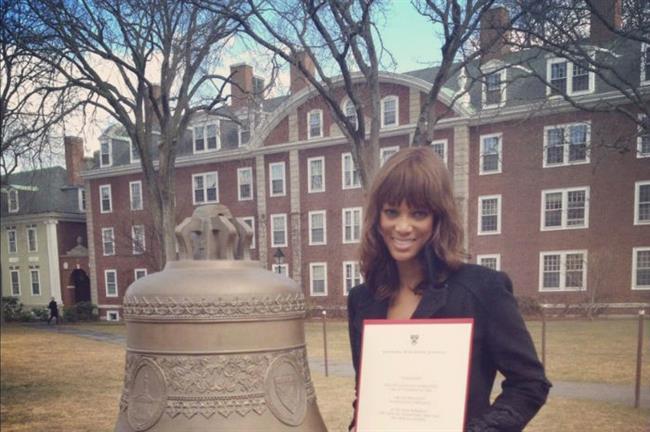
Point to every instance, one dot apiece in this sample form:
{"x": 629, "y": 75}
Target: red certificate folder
{"x": 414, "y": 375}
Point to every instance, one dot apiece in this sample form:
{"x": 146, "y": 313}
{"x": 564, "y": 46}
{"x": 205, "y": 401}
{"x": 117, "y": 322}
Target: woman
{"x": 411, "y": 259}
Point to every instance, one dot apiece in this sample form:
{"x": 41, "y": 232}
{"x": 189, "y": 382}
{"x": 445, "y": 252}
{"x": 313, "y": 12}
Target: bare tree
{"x": 149, "y": 64}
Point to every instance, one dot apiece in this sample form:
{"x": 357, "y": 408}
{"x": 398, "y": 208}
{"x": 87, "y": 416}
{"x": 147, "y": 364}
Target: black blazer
{"x": 501, "y": 343}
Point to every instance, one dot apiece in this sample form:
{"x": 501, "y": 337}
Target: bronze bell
{"x": 216, "y": 343}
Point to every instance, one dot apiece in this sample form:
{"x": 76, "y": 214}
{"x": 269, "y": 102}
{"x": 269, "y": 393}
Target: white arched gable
{"x": 293, "y": 102}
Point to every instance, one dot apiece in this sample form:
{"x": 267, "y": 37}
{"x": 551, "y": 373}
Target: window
{"x": 206, "y": 188}
{"x": 279, "y": 230}
{"x": 568, "y": 78}
{"x": 494, "y": 89}
{"x": 138, "y": 239}
{"x": 244, "y": 133}
{"x": 316, "y": 174}
{"x": 110, "y": 281}
{"x": 35, "y": 277}
{"x": 281, "y": 269}
{"x": 317, "y": 228}
{"x": 13, "y": 204}
{"x": 12, "y": 242}
{"x": 641, "y": 268}
{"x": 565, "y": 208}
{"x": 245, "y": 183}
{"x": 490, "y": 154}
{"x": 489, "y": 214}
{"x": 389, "y": 111}
{"x": 643, "y": 139}
{"x": 139, "y": 273}
{"x": 251, "y": 223}
{"x": 563, "y": 271}
{"x": 314, "y": 124}
{"x": 81, "y": 197}
{"x": 385, "y": 153}
{"x": 106, "y": 199}
{"x": 32, "y": 239}
{"x": 108, "y": 241}
{"x": 351, "y": 276}
{"x": 440, "y": 148}
{"x": 351, "y": 179}
{"x": 133, "y": 153}
{"x": 566, "y": 144}
{"x": 645, "y": 63}
{"x": 105, "y": 153}
{"x": 351, "y": 225}
{"x": 351, "y": 113}
{"x": 318, "y": 279}
{"x": 278, "y": 180}
{"x": 205, "y": 138}
{"x": 112, "y": 316}
{"x": 642, "y": 202}
{"x": 492, "y": 261}
{"x": 15, "y": 282}
{"x": 135, "y": 190}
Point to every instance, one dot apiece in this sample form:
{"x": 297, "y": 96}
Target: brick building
{"x": 545, "y": 190}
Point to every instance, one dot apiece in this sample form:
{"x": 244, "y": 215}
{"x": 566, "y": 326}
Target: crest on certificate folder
{"x": 414, "y": 339}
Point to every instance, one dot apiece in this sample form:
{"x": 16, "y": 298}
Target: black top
{"x": 54, "y": 309}
{"x": 500, "y": 342}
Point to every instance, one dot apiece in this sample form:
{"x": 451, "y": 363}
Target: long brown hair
{"x": 415, "y": 175}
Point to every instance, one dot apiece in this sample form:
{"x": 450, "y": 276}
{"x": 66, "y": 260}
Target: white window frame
{"x": 109, "y": 143}
{"x": 284, "y": 269}
{"x": 101, "y": 199}
{"x": 384, "y": 151}
{"x": 635, "y": 263}
{"x": 240, "y": 183}
{"x": 28, "y": 230}
{"x": 214, "y": 123}
{"x": 11, "y": 282}
{"x": 134, "y": 242}
{"x": 81, "y": 199}
{"x": 112, "y": 241}
{"x": 352, "y": 211}
{"x": 139, "y": 270}
{"x": 565, "y": 209}
{"x": 569, "y": 78}
{"x": 563, "y": 254}
{"x": 356, "y": 268}
{"x": 639, "y": 139}
{"x": 566, "y": 146}
{"x": 445, "y": 151}
{"x": 382, "y": 109}
{"x": 318, "y": 112}
{"x": 311, "y": 279}
{"x": 637, "y": 204}
{"x": 347, "y": 103}
{"x": 352, "y": 184}
{"x": 252, "y": 225}
{"x": 645, "y": 80}
{"x": 283, "y": 217}
{"x": 133, "y": 157}
{"x": 503, "y": 72}
{"x": 482, "y": 170}
{"x": 139, "y": 205}
{"x": 310, "y": 185}
{"x": 205, "y": 194}
{"x": 111, "y": 313}
{"x": 311, "y": 227}
{"x": 283, "y": 179}
{"x": 117, "y": 291}
{"x": 15, "y": 242}
{"x": 38, "y": 281}
{"x": 496, "y": 257}
{"x": 499, "y": 214}
{"x": 13, "y": 204}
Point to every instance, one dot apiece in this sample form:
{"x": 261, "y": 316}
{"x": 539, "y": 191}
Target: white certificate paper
{"x": 414, "y": 375}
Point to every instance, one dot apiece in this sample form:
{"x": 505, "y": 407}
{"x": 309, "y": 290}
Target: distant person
{"x": 412, "y": 263}
{"x": 54, "y": 311}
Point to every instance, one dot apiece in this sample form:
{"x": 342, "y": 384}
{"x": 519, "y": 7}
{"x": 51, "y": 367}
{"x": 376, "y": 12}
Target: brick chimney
{"x": 493, "y": 38}
{"x": 74, "y": 159}
{"x": 298, "y": 81}
{"x": 242, "y": 84}
{"x": 610, "y": 16}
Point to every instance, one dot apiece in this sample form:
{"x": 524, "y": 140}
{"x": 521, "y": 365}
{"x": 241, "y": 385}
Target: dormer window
{"x": 133, "y": 152}
{"x": 568, "y": 78}
{"x": 351, "y": 113}
{"x": 12, "y": 198}
{"x": 494, "y": 89}
{"x": 389, "y": 109}
{"x": 645, "y": 64}
{"x": 205, "y": 138}
{"x": 105, "y": 154}
{"x": 314, "y": 124}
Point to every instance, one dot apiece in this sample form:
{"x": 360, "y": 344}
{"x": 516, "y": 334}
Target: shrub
{"x": 529, "y": 306}
{"x": 12, "y": 309}
{"x": 41, "y": 313}
{"x": 82, "y": 311}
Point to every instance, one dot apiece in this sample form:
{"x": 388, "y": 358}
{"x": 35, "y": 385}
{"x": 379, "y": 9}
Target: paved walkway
{"x": 616, "y": 393}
